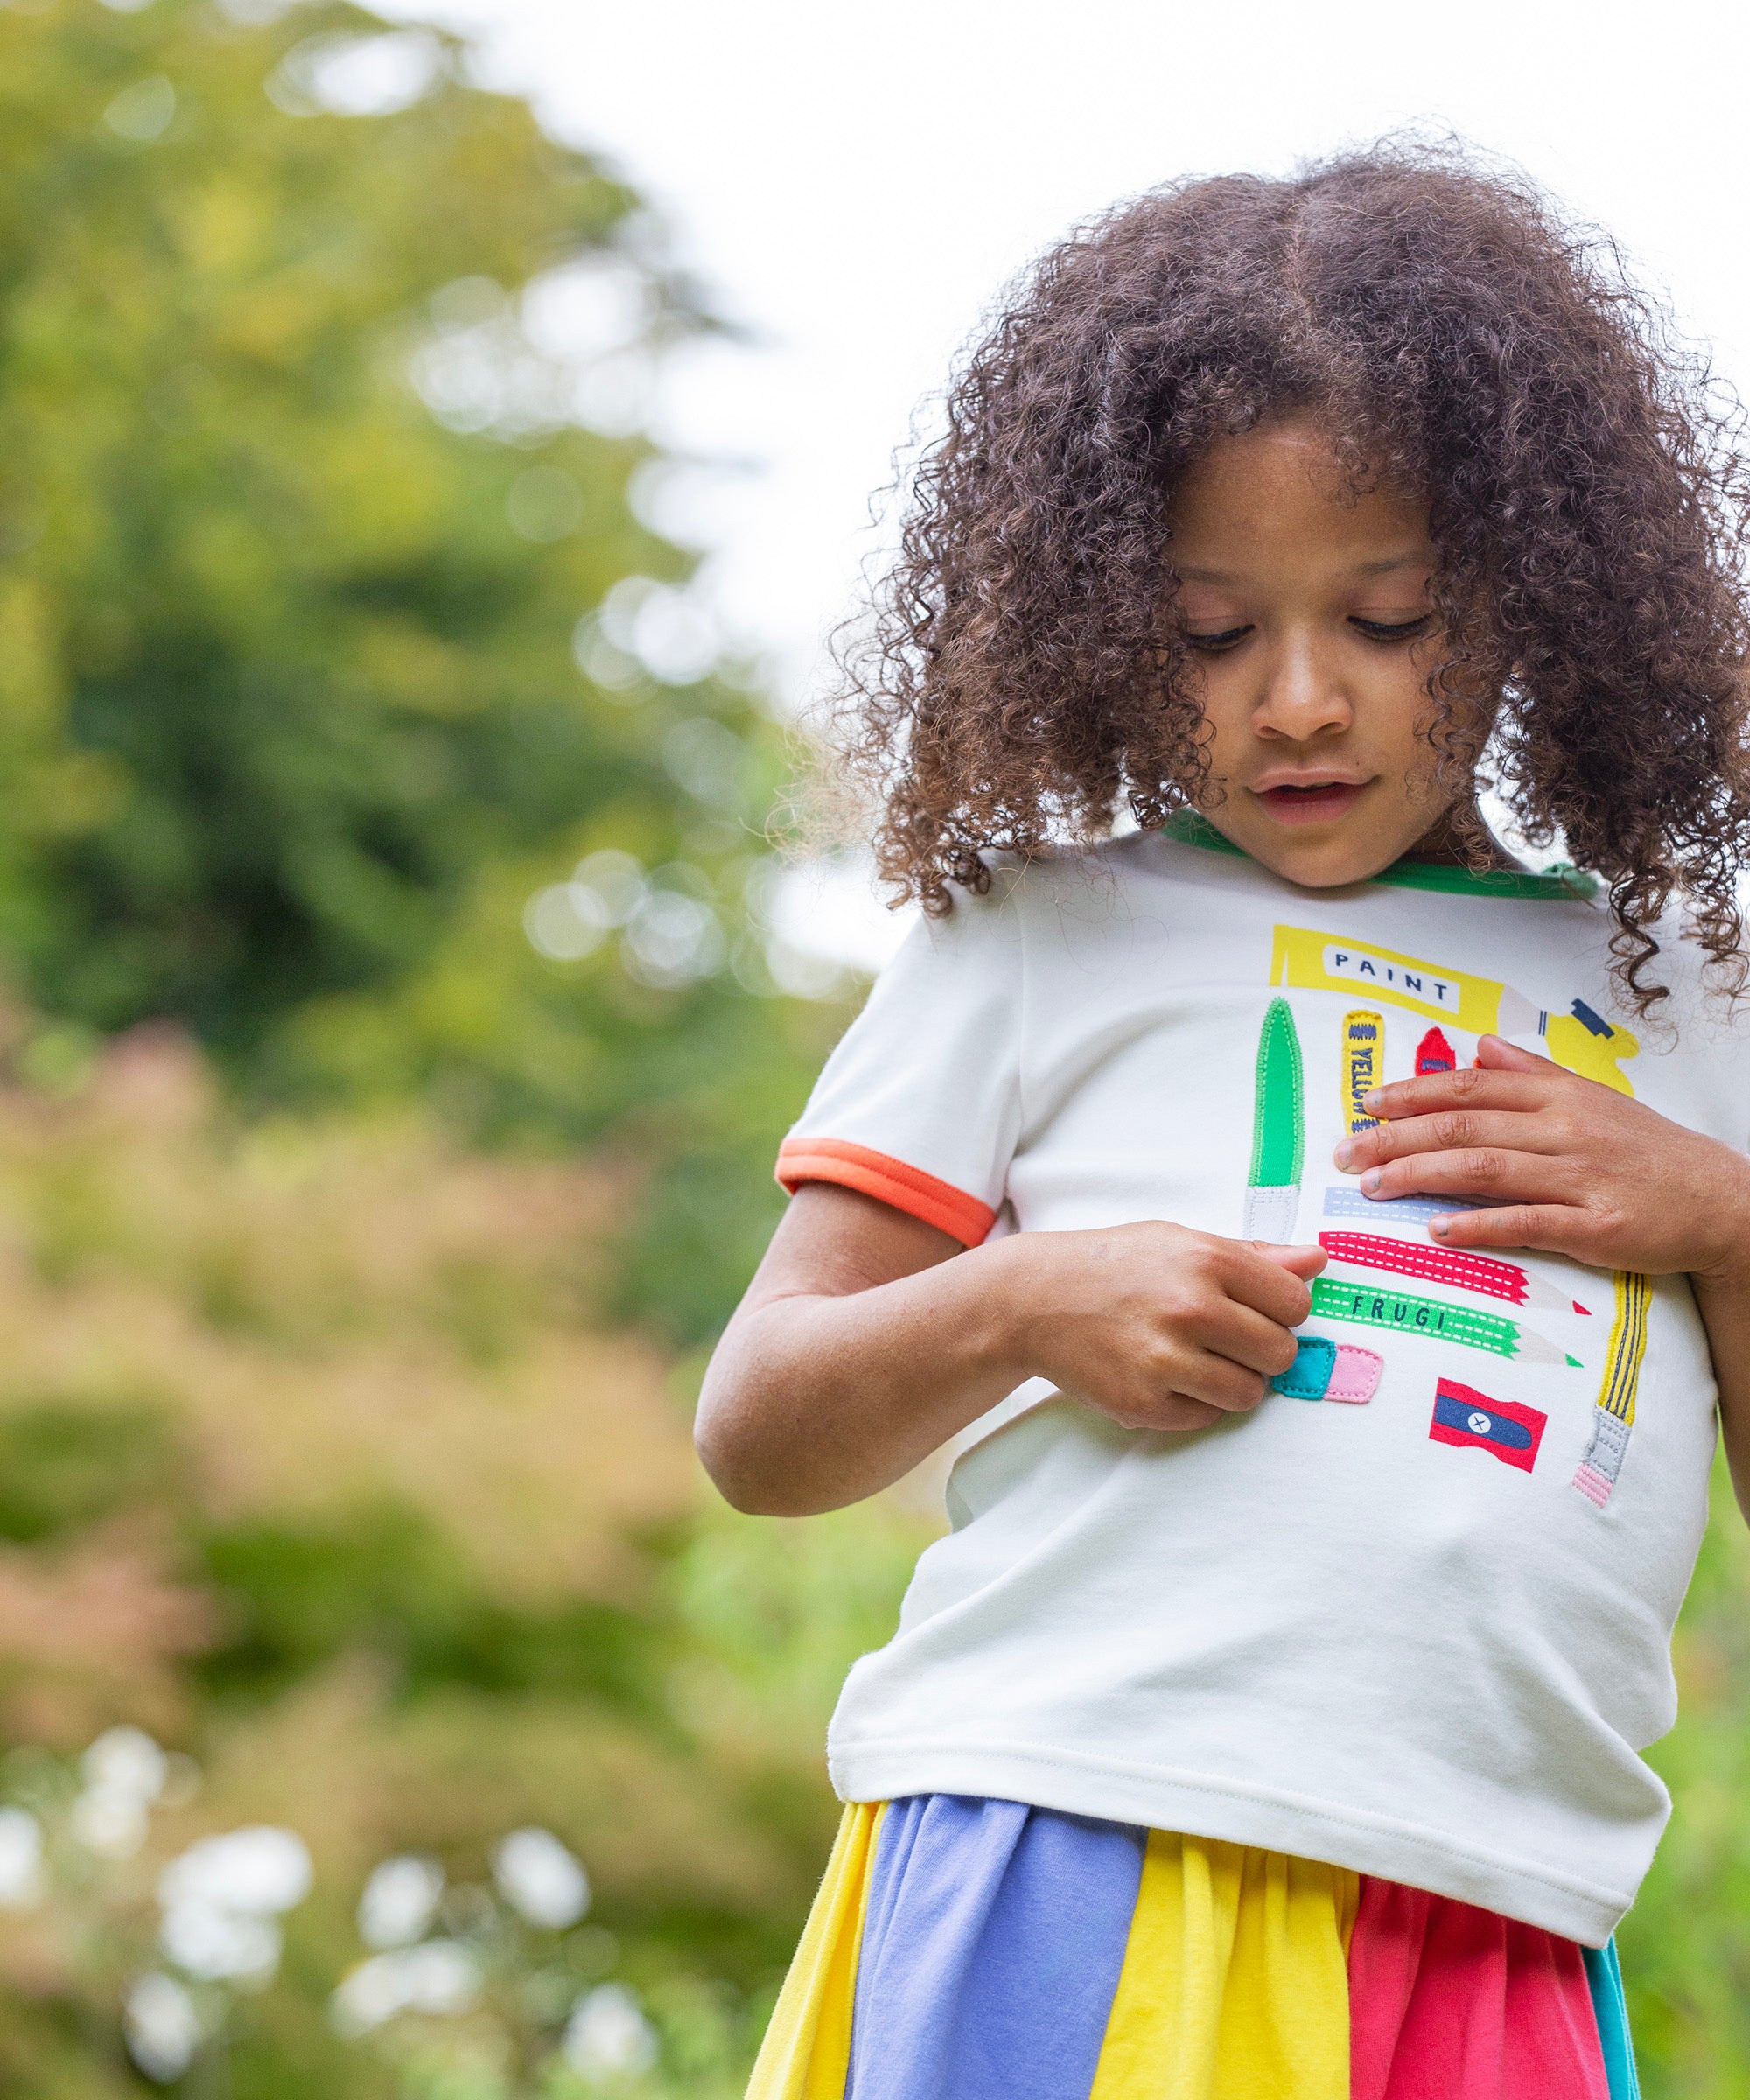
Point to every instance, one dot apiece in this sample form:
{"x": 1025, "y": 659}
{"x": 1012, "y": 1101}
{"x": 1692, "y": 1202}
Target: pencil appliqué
{"x": 1613, "y": 1417}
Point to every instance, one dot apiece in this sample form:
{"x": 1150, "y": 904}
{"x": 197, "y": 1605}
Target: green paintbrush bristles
{"x": 1279, "y": 1129}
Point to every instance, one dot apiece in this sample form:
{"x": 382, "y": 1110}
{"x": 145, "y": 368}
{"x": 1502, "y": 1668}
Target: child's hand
{"x": 1155, "y": 1325}
{"x": 1576, "y": 1168}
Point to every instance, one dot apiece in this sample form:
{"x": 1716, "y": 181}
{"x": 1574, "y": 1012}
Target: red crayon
{"x": 1434, "y": 1053}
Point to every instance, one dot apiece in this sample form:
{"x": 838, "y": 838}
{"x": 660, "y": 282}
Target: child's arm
{"x": 868, "y": 1338}
{"x": 1584, "y": 1171}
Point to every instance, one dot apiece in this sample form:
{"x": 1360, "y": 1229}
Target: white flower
{"x": 252, "y": 1873}
{"x": 125, "y": 1773}
{"x": 398, "y": 1901}
{"x": 111, "y": 1825}
{"x": 438, "y": 1977}
{"x": 125, "y": 1761}
{"x": 220, "y": 1897}
{"x": 607, "y": 2035}
{"x": 541, "y": 1878}
{"x": 162, "y": 2026}
{"x": 217, "y": 1945}
{"x": 21, "y": 1859}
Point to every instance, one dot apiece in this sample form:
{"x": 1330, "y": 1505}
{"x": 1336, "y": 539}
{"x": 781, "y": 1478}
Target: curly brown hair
{"x": 1024, "y": 675}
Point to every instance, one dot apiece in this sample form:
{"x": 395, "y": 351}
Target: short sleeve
{"x": 919, "y": 1105}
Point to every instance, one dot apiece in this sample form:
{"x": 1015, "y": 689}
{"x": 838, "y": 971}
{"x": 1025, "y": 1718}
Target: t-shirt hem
{"x": 893, "y": 1181}
{"x": 1241, "y": 1812}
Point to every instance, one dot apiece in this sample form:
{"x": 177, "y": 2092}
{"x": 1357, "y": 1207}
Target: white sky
{"x": 858, "y": 182}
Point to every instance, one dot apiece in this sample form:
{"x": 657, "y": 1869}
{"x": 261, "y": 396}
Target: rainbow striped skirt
{"x": 970, "y": 1949}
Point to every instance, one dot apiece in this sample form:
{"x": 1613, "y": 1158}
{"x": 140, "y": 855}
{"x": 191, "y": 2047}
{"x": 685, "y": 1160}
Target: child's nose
{"x": 1304, "y": 695}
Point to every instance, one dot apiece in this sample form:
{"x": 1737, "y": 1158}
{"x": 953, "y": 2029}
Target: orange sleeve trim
{"x": 908, "y": 1188}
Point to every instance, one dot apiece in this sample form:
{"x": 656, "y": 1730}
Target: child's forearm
{"x": 868, "y": 1339}
{"x": 1723, "y": 1300}
{"x": 816, "y": 1399}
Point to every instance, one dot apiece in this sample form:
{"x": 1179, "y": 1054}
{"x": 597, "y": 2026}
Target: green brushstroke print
{"x": 1279, "y": 1114}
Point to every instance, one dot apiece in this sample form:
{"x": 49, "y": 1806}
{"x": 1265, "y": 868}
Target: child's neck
{"x": 1460, "y": 839}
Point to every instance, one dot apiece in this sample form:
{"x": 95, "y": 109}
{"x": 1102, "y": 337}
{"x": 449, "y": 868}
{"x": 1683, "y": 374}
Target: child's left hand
{"x": 1575, "y": 1168}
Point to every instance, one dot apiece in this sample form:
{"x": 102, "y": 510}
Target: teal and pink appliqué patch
{"x": 1324, "y": 1369}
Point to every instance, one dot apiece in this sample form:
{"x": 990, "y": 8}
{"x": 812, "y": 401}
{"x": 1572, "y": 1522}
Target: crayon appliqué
{"x": 1363, "y": 1067}
{"x": 1434, "y": 1053}
{"x": 1613, "y": 1415}
{"x": 1279, "y": 1130}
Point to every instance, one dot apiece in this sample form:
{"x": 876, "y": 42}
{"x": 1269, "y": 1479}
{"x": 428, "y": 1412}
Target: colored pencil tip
{"x": 1578, "y": 1307}
{"x": 1575, "y": 1363}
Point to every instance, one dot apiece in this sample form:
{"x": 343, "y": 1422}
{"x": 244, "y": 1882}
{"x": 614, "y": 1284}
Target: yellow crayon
{"x": 1363, "y": 1067}
{"x": 1580, "y": 1039}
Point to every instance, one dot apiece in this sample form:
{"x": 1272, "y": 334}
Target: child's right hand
{"x": 868, "y": 1339}
{"x": 1158, "y": 1327}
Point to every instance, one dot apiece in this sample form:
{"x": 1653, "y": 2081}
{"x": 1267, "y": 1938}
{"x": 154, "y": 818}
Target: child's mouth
{"x": 1316, "y": 803}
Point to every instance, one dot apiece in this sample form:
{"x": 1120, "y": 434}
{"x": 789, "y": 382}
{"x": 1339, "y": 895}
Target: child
{"x": 1356, "y": 1223}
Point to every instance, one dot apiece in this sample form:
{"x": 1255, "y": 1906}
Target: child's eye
{"x": 1212, "y": 644}
{"x": 1392, "y": 630}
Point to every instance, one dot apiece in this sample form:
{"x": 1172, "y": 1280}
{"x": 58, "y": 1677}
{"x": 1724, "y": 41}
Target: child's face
{"x": 1309, "y": 615}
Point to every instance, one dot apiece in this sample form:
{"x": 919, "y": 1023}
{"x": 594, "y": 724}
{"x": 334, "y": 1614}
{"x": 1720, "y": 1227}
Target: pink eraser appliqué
{"x": 1355, "y": 1375}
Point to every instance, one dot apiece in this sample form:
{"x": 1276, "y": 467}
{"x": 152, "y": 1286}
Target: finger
{"x": 1453, "y": 1130}
{"x": 1174, "y": 1414}
{"x": 1203, "y": 1375}
{"x": 1496, "y": 1054}
{"x": 1433, "y": 1091}
{"x": 1304, "y": 1262}
{"x": 1503, "y": 1175}
{"x": 1247, "y": 1337}
{"x": 1548, "y": 1228}
{"x": 1252, "y": 1278}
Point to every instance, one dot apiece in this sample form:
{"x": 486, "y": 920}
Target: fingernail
{"x": 1438, "y": 1226}
{"x": 1372, "y": 1102}
{"x": 1370, "y": 1181}
{"x": 1343, "y": 1151}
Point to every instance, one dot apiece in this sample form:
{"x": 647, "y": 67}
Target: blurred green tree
{"x": 302, "y": 336}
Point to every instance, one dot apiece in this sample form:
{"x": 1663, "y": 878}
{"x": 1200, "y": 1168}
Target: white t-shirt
{"x": 1412, "y": 1615}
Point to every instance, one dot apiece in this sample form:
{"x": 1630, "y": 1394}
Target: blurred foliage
{"x": 298, "y": 527}
{"x": 1686, "y": 1943}
{"x": 316, "y": 1461}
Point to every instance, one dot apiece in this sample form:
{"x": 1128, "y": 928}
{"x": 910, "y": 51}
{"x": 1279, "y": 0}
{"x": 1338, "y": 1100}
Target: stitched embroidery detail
{"x": 1450, "y": 1265}
{"x": 1507, "y": 1431}
{"x": 1356, "y": 1375}
{"x": 1363, "y": 1062}
{"x": 1349, "y": 1203}
{"x": 1320, "y": 962}
{"x": 1431, "y": 1317}
{"x": 1315, "y": 1357}
{"x": 1279, "y": 1129}
{"x": 1434, "y": 1053}
{"x": 1613, "y": 1417}
{"x": 1327, "y": 1370}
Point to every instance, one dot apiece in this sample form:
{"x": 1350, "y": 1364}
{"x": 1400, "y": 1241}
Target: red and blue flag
{"x": 1464, "y": 1415}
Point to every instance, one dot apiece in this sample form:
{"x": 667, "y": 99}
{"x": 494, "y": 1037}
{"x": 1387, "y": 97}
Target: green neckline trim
{"x": 1190, "y": 828}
